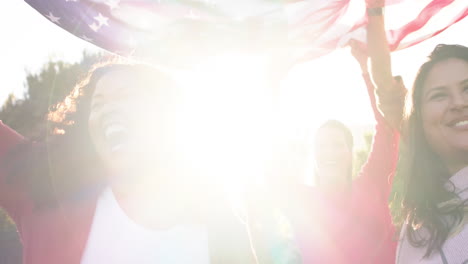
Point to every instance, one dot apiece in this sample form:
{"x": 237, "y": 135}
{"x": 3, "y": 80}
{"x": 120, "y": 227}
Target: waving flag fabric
{"x": 321, "y": 26}
{"x": 173, "y": 31}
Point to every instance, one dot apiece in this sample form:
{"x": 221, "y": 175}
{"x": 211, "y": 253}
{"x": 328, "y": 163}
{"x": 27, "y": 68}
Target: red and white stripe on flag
{"x": 321, "y": 26}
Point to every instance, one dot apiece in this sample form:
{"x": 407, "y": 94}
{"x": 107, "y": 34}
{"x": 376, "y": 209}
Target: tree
{"x": 28, "y": 117}
{"x": 44, "y": 89}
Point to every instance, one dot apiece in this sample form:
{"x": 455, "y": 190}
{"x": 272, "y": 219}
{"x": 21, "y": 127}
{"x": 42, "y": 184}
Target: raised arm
{"x": 390, "y": 91}
{"x": 381, "y": 164}
{"x": 378, "y": 49}
{"x": 359, "y": 52}
{"x": 383, "y": 156}
{"x": 387, "y": 100}
{"x": 374, "y": 183}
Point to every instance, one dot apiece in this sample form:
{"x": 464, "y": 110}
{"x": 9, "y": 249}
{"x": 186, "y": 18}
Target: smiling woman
{"x": 445, "y": 90}
{"x": 436, "y": 181}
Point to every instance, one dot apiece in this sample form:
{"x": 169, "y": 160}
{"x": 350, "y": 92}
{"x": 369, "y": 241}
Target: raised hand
{"x": 375, "y": 3}
{"x": 359, "y": 52}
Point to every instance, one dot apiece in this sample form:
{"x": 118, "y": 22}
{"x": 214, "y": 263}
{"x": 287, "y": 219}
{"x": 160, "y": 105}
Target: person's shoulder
{"x": 8, "y": 138}
{"x": 8, "y": 133}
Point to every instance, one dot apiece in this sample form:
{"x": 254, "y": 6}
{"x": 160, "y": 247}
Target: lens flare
{"x": 227, "y": 119}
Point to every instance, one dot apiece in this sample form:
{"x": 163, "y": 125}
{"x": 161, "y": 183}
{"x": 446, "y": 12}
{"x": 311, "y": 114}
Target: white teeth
{"x": 115, "y": 135}
{"x": 113, "y": 128}
{"x": 461, "y": 123}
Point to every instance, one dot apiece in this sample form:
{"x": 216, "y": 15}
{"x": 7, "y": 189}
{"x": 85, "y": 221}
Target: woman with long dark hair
{"x": 435, "y": 174}
{"x": 436, "y": 180}
{"x": 110, "y": 185}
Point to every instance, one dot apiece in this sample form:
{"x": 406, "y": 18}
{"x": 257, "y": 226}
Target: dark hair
{"x": 66, "y": 165}
{"x": 426, "y": 177}
{"x": 348, "y": 136}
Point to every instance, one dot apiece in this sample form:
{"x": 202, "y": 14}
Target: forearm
{"x": 390, "y": 92}
{"x": 379, "y": 53}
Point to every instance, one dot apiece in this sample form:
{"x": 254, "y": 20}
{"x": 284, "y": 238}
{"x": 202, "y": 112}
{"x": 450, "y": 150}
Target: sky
{"x": 329, "y": 87}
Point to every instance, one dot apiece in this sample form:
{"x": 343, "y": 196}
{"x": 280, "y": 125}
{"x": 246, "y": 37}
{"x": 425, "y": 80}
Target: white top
{"x": 454, "y": 250}
{"x": 115, "y": 239}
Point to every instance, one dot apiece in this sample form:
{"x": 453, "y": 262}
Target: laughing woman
{"x": 110, "y": 184}
{"x": 436, "y": 194}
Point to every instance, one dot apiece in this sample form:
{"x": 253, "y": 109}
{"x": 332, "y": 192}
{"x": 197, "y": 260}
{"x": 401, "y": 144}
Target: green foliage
{"x": 28, "y": 117}
{"x": 360, "y": 156}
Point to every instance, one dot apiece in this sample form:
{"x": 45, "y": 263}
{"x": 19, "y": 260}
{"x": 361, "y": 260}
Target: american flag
{"x": 171, "y": 31}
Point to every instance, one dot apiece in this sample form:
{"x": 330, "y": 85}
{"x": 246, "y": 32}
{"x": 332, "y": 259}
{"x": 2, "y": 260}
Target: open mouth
{"x": 461, "y": 124}
{"x": 116, "y": 136}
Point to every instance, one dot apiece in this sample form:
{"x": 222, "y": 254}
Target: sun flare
{"x": 227, "y": 118}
